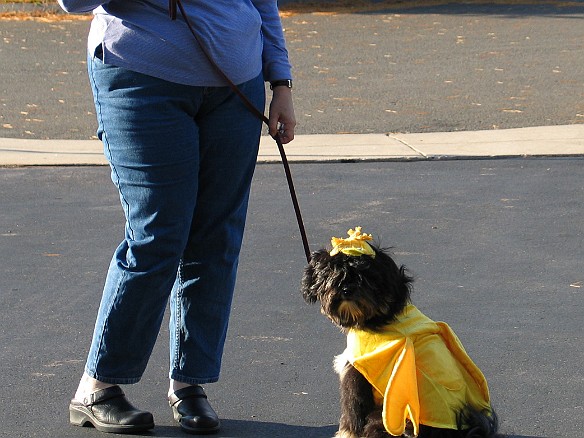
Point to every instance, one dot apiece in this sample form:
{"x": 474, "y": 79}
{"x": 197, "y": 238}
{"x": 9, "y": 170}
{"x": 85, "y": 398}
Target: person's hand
{"x": 281, "y": 117}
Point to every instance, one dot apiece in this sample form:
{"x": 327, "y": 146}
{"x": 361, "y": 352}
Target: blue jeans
{"x": 182, "y": 159}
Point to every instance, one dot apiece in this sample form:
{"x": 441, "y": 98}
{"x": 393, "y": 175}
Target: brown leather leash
{"x": 173, "y": 5}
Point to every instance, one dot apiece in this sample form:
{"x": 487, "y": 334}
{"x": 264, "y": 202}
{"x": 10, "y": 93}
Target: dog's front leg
{"x": 356, "y": 402}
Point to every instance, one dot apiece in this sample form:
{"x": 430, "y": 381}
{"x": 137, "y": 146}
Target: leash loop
{"x": 173, "y": 5}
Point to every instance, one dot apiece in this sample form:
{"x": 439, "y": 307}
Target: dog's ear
{"x": 310, "y": 280}
{"x": 406, "y": 279}
{"x": 308, "y": 292}
{"x": 395, "y": 278}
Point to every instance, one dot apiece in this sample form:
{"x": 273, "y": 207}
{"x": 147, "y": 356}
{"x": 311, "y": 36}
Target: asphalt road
{"x": 496, "y": 246}
{"x": 428, "y": 69}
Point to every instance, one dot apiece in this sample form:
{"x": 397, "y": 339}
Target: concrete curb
{"x": 560, "y": 141}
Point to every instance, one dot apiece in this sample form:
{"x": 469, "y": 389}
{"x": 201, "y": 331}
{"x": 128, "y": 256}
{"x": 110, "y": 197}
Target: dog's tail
{"x": 478, "y": 423}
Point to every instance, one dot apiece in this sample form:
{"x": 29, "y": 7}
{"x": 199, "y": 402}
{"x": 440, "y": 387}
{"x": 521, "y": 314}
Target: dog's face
{"x": 361, "y": 292}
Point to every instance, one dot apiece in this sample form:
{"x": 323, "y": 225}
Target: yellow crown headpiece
{"x": 355, "y": 245}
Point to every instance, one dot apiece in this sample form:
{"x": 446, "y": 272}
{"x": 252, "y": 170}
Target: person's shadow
{"x": 257, "y": 429}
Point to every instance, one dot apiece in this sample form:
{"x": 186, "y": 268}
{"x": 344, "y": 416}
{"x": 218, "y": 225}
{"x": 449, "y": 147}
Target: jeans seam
{"x": 178, "y": 317}
{"x": 102, "y": 326}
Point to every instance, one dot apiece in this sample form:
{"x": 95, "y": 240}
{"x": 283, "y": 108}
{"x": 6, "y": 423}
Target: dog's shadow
{"x": 257, "y": 429}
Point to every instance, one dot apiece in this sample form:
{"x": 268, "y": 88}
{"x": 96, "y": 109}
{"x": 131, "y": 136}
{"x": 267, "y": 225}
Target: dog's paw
{"x": 343, "y": 433}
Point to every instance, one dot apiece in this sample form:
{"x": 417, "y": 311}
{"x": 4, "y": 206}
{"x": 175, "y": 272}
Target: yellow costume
{"x": 419, "y": 371}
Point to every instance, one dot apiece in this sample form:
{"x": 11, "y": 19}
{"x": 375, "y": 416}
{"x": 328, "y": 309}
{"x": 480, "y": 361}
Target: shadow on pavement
{"x": 243, "y": 429}
{"x": 256, "y": 429}
{"x": 522, "y": 436}
{"x": 246, "y": 429}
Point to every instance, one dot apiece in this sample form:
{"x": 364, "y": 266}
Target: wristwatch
{"x": 281, "y": 83}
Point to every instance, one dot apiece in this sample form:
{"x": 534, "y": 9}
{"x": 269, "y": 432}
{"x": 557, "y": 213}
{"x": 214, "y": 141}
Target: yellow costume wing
{"x": 477, "y": 390}
{"x": 401, "y": 400}
{"x": 391, "y": 370}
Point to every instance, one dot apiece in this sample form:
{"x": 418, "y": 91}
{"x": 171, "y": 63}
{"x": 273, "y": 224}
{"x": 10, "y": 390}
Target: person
{"x": 182, "y": 149}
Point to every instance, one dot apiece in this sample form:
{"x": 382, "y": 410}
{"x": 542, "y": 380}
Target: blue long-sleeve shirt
{"x": 244, "y": 37}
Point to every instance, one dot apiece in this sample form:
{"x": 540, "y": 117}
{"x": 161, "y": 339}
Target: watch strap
{"x": 281, "y": 83}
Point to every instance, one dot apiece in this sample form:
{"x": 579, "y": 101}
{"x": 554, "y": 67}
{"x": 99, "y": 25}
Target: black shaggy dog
{"x": 367, "y": 295}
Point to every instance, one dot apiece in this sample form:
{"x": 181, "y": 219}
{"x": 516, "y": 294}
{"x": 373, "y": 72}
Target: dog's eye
{"x": 346, "y": 291}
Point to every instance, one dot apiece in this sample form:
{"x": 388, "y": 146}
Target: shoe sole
{"x": 81, "y": 416}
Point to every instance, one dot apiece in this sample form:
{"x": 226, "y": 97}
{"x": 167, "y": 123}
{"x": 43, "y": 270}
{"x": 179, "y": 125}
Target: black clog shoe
{"x": 193, "y": 412}
{"x": 108, "y": 410}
